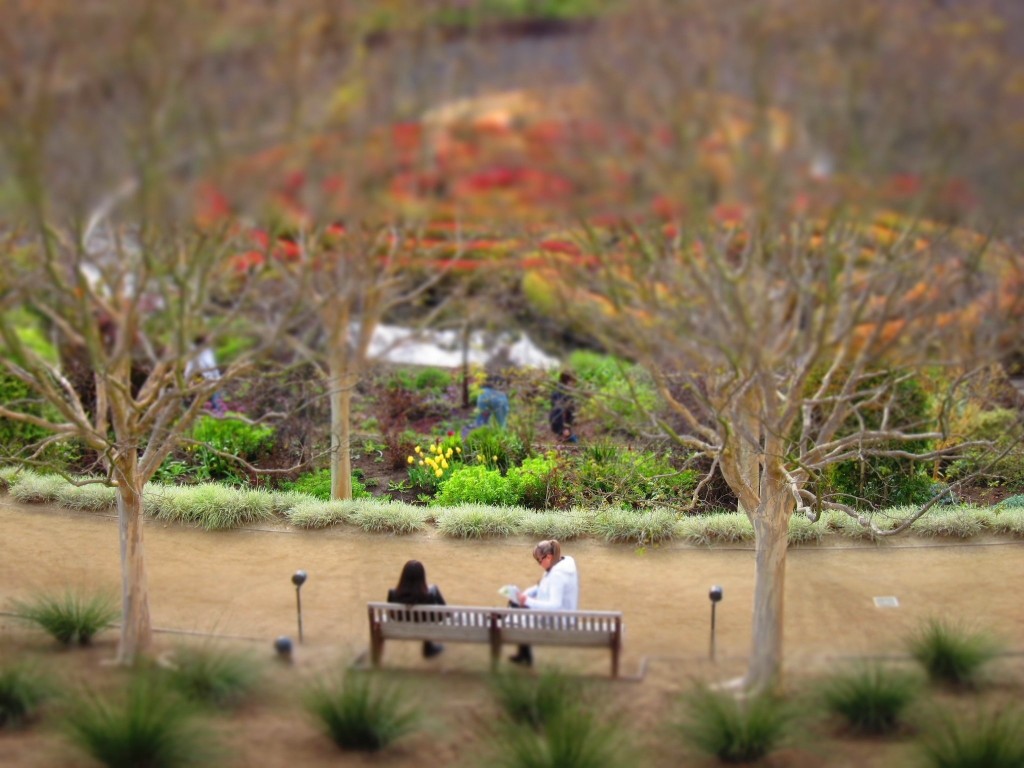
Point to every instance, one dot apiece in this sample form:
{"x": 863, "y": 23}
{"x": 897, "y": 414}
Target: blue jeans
{"x": 490, "y": 403}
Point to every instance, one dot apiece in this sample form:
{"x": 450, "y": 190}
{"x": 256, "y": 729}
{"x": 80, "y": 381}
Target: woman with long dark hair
{"x": 412, "y": 589}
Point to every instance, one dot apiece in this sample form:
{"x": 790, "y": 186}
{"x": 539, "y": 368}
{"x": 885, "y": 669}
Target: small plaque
{"x": 888, "y": 601}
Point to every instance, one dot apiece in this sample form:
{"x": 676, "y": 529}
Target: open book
{"x": 510, "y": 591}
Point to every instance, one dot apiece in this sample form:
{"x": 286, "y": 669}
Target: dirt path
{"x": 238, "y": 584}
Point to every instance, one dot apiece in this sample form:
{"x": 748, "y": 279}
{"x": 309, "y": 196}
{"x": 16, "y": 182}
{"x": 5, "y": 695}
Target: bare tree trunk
{"x": 136, "y": 628}
{"x": 771, "y": 533}
{"x": 341, "y": 383}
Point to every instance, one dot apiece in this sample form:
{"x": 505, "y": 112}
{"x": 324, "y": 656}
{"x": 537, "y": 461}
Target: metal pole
{"x": 714, "y": 595}
{"x": 298, "y": 579}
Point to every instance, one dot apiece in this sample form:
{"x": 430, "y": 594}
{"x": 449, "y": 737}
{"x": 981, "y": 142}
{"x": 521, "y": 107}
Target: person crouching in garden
{"x": 563, "y": 408}
{"x": 558, "y": 589}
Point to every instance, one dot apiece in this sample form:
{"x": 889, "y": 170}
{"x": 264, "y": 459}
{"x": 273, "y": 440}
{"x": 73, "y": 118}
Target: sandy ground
{"x": 236, "y": 585}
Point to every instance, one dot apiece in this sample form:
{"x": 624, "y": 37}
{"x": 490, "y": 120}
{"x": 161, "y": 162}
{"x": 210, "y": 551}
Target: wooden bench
{"x": 494, "y": 627}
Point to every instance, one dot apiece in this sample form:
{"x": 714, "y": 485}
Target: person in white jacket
{"x": 558, "y": 589}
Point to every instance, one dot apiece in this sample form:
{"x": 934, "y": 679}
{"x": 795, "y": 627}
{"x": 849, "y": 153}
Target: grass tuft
{"x": 715, "y": 528}
{"x": 731, "y": 729}
{"x": 984, "y": 740}
{"x": 571, "y": 738}
{"x": 871, "y": 699}
{"x": 377, "y": 516}
{"x": 360, "y": 713}
{"x": 148, "y": 726}
{"x": 574, "y": 523}
{"x": 30, "y": 487}
{"x": 210, "y": 505}
{"x": 480, "y": 521}
{"x": 215, "y": 676}
{"x": 951, "y": 654}
{"x": 70, "y": 617}
{"x": 93, "y": 497}
{"x": 803, "y": 531}
{"x": 534, "y": 701}
{"x": 641, "y": 527}
{"x": 23, "y": 689}
{"x": 1008, "y": 520}
{"x": 313, "y": 513}
{"x": 8, "y": 476}
{"x": 961, "y": 522}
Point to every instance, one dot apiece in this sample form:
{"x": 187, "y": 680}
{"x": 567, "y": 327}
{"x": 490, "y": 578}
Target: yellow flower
{"x": 458, "y": 450}
{"x": 444, "y": 464}
{"x": 438, "y": 473}
{"x": 418, "y": 449}
{"x": 421, "y": 462}
{"x": 494, "y": 458}
{"x": 411, "y": 459}
{"x": 448, "y": 453}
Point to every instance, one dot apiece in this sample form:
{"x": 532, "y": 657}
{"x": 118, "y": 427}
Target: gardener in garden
{"x": 563, "y": 408}
{"x": 558, "y": 589}
{"x": 491, "y": 402}
{"x": 204, "y": 363}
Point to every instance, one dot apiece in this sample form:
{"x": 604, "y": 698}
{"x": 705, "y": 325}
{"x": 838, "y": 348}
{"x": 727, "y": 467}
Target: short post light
{"x": 283, "y": 646}
{"x": 298, "y": 579}
{"x": 715, "y": 596}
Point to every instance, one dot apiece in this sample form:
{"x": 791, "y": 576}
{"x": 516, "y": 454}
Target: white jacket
{"x": 559, "y": 588}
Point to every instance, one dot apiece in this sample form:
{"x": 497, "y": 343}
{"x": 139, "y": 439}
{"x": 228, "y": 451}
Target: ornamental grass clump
{"x": 32, "y": 488}
{"x": 1007, "y": 520}
{"x": 803, "y": 531}
{"x": 981, "y": 740}
{"x": 573, "y": 523}
{"x": 8, "y": 476}
{"x": 219, "y": 677}
{"x": 952, "y": 654}
{"x": 640, "y": 527}
{"x": 871, "y": 699}
{"x": 715, "y": 528}
{"x": 89, "y": 497}
{"x": 379, "y": 516}
{"x": 313, "y": 513}
{"x": 70, "y": 617}
{"x": 961, "y": 522}
{"x": 534, "y": 701}
{"x": 148, "y": 725}
{"x": 731, "y": 729}
{"x": 362, "y": 713}
{"x": 23, "y": 690}
{"x": 478, "y": 521}
{"x": 210, "y": 505}
{"x": 571, "y": 738}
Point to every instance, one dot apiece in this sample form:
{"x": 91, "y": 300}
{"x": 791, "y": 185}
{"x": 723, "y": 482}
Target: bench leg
{"x": 615, "y": 661}
{"x": 376, "y": 646}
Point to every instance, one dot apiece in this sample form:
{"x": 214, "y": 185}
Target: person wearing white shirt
{"x": 558, "y": 589}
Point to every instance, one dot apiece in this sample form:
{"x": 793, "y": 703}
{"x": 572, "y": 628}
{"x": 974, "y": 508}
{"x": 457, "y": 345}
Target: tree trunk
{"x": 136, "y": 628}
{"x": 341, "y": 384}
{"x": 771, "y": 534}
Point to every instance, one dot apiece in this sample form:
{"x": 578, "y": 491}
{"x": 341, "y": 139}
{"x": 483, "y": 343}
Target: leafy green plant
{"x": 23, "y": 689}
{"x": 529, "y": 481}
{"x": 71, "y": 617}
{"x": 950, "y": 653}
{"x": 217, "y": 676}
{"x": 734, "y": 730}
{"x": 149, "y": 725}
{"x": 982, "y": 740}
{"x": 429, "y": 467}
{"x": 871, "y": 699}
{"x": 494, "y": 448}
{"x": 432, "y": 379}
{"x": 210, "y": 505}
{"x": 216, "y": 437}
{"x": 475, "y": 485}
{"x": 361, "y": 713}
{"x": 605, "y": 473}
{"x": 318, "y": 485}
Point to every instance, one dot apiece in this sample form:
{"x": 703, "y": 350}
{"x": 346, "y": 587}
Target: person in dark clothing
{"x": 563, "y": 408}
{"x": 412, "y": 589}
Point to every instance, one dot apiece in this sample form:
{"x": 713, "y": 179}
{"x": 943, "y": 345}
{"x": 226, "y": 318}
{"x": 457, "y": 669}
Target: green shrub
{"x": 21, "y": 438}
{"x": 982, "y": 740}
{"x": 476, "y": 521}
{"x": 318, "y": 485}
{"x": 23, "y": 689}
{"x": 605, "y": 473}
{"x": 229, "y": 436}
{"x": 529, "y": 482}
{"x": 215, "y": 676}
{"x": 70, "y": 617}
{"x": 1002, "y": 428}
{"x": 734, "y": 730}
{"x": 614, "y": 394}
{"x": 476, "y": 485}
{"x": 361, "y": 713}
{"x": 148, "y": 726}
{"x": 871, "y": 699}
{"x": 950, "y": 653}
{"x": 432, "y": 379}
